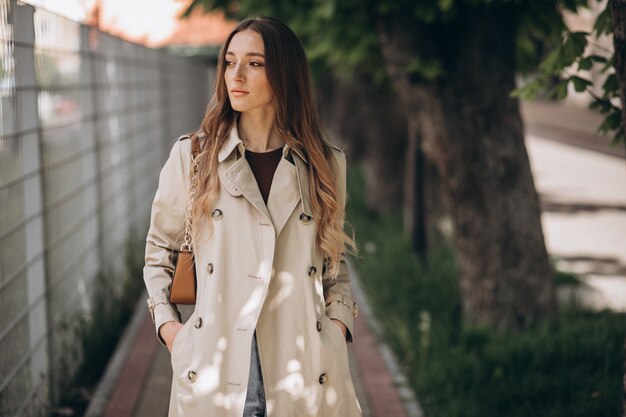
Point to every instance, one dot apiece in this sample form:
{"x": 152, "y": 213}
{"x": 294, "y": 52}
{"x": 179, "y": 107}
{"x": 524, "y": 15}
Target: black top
{"x": 263, "y": 165}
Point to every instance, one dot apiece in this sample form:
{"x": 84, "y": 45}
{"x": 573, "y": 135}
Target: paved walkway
{"x": 569, "y": 125}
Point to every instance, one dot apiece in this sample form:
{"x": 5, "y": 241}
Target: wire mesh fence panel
{"x": 87, "y": 122}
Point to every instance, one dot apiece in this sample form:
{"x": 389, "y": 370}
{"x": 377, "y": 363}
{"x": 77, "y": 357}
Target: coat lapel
{"x": 284, "y": 194}
{"x": 241, "y": 178}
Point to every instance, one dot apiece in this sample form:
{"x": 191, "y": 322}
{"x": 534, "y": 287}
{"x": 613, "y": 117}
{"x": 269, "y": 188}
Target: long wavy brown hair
{"x": 296, "y": 121}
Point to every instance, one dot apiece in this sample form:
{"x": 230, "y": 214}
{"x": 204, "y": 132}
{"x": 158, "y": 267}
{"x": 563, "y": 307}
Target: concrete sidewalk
{"x": 569, "y": 125}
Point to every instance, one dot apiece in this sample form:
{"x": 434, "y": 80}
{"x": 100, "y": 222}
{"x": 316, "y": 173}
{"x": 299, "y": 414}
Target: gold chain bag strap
{"x": 183, "y": 290}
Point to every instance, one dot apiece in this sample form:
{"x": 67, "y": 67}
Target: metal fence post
{"x": 28, "y": 124}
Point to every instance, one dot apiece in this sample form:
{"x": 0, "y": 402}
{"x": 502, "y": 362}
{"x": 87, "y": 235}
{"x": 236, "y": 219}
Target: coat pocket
{"x": 339, "y": 348}
{"x": 335, "y": 371}
{"x": 181, "y": 347}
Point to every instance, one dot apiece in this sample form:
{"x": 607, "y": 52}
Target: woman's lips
{"x": 238, "y": 93}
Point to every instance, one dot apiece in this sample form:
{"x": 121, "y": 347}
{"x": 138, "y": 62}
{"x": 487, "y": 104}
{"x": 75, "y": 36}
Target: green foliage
{"x": 571, "y": 48}
{"x": 539, "y": 28}
{"x": 342, "y": 37}
{"x": 429, "y": 69}
{"x": 566, "y": 278}
{"x": 567, "y": 366}
{"x": 571, "y": 53}
{"x": 602, "y": 26}
{"x": 570, "y": 366}
{"x": 446, "y": 5}
{"x": 102, "y": 328}
{"x": 580, "y": 84}
{"x": 337, "y": 36}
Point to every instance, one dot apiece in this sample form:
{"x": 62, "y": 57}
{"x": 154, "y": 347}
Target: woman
{"x": 274, "y": 313}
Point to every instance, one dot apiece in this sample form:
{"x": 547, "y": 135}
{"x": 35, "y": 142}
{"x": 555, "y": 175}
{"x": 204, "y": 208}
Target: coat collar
{"x": 234, "y": 141}
{"x": 289, "y": 186}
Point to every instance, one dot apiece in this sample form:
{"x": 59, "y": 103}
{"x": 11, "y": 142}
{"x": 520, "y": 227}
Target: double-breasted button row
{"x": 312, "y": 271}
{"x": 305, "y": 218}
{"x": 319, "y": 326}
{"x": 192, "y": 376}
{"x": 209, "y": 268}
{"x": 198, "y": 322}
{"x": 217, "y": 214}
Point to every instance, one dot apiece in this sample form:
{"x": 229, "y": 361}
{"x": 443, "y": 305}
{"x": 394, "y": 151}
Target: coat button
{"x": 319, "y": 326}
{"x": 191, "y": 375}
{"x": 217, "y": 214}
{"x": 323, "y": 378}
{"x": 312, "y": 271}
{"x": 198, "y": 322}
{"x": 209, "y": 268}
{"x": 305, "y": 219}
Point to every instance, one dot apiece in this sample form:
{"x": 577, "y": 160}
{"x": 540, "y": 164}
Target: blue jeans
{"x": 255, "y": 397}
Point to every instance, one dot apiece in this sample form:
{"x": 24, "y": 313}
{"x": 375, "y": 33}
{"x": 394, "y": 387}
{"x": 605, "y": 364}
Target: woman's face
{"x": 244, "y": 75}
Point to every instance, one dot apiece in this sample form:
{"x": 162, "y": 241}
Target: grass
{"x": 566, "y": 278}
{"x": 569, "y": 365}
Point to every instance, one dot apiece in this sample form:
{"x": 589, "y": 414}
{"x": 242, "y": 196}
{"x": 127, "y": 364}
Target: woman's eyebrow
{"x": 248, "y": 54}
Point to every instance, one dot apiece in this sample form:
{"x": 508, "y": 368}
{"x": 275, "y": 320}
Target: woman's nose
{"x": 239, "y": 74}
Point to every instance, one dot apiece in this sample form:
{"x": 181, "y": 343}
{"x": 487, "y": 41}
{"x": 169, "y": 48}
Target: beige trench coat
{"x": 260, "y": 270}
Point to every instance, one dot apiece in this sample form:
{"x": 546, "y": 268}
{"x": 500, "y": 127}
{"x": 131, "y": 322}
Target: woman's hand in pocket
{"x": 169, "y": 331}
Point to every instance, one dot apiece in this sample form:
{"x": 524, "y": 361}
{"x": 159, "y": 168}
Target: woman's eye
{"x": 229, "y": 63}
{"x": 256, "y": 64}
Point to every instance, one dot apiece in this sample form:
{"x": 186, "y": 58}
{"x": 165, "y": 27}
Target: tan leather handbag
{"x": 183, "y": 289}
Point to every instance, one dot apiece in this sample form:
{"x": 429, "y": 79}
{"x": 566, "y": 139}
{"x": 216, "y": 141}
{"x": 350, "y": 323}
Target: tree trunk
{"x": 372, "y": 125}
{"x": 472, "y": 131}
{"x": 414, "y": 217}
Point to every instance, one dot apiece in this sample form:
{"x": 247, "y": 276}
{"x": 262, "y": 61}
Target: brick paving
{"x": 132, "y": 376}
{"x": 380, "y": 392}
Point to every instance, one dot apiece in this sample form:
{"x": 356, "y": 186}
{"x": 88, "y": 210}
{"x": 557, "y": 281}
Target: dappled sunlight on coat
{"x": 286, "y": 286}
{"x": 209, "y": 376}
{"x": 294, "y": 384}
{"x": 254, "y": 303}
